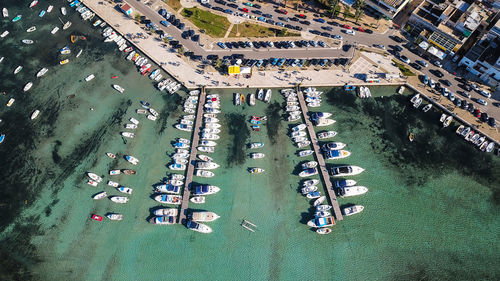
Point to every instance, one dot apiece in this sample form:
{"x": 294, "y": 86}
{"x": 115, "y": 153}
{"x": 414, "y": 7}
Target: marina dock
{"x": 319, "y": 157}
{"x": 192, "y": 157}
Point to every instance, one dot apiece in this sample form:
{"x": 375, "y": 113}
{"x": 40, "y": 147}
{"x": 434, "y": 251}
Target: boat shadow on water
{"x": 238, "y": 129}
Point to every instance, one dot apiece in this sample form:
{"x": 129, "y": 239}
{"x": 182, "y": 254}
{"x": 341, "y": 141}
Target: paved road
{"x": 360, "y": 38}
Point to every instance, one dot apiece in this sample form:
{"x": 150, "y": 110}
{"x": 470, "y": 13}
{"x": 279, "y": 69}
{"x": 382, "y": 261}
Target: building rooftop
{"x": 393, "y": 3}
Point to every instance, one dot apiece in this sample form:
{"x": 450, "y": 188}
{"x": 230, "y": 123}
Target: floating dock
{"x": 190, "y": 167}
{"x": 319, "y": 157}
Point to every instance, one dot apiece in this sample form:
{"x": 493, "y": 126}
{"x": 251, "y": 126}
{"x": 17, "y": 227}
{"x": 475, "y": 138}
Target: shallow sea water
{"x": 431, "y": 212}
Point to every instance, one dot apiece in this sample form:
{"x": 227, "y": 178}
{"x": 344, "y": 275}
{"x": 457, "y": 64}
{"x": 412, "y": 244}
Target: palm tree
{"x": 333, "y": 5}
{"x": 359, "y": 6}
{"x": 347, "y": 10}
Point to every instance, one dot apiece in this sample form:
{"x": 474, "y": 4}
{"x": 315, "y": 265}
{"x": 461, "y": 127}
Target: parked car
{"x": 302, "y": 16}
{"x": 282, "y": 11}
{"x": 416, "y": 66}
{"x": 305, "y": 22}
{"x": 320, "y": 20}
{"x": 231, "y": 5}
{"x": 257, "y": 12}
{"x": 422, "y": 63}
{"x": 360, "y": 29}
{"x": 404, "y": 59}
{"x": 380, "y": 46}
{"x": 348, "y": 31}
{"x": 257, "y": 6}
{"x": 481, "y": 101}
{"x": 465, "y": 94}
{"x": 437, "y": 63}
{"x": 337, "y": 37}
{"x": 326, "y": 27}
{"x": 438, "y": 73}
{"x": 491, "y": 122}
{"x": 347, "y": 26}
{"x": 165, "y": 23}
{"x": 485, "y": 93}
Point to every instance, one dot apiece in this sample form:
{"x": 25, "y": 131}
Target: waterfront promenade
{"x": 319, "y": 157}
{"x": 192, "y": 157}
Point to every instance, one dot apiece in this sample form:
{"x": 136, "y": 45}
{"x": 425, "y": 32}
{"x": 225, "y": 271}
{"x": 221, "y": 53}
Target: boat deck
{"x": 319, "y": 157}
{"x": 190, "y": 166}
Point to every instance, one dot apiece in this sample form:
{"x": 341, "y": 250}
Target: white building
{"x": 389, "y": 8}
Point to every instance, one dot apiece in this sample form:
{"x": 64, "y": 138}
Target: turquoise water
{"x": 430, "y": 213}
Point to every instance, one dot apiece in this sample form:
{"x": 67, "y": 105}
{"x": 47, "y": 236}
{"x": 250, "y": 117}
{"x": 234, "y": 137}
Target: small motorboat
{"x": 169, "y": 199}
{"x": 411, "y": 136}
{"x": 33, "y": 3}
{"x": 79, "y": 53}
{"x": 114, "y": 77}
{"x": 92, "y": 183}
{"x": 128, "y": 134}
{"x": 19, "y": 68}
{"x": 132, "y": 159}
{"x": 5, "y": 13}
{"x": 326, "y": 135}
{"x": 304, "y": 153}
{"x": 257, "y": 155}
{"x": 333, "y": 146}
{"x": 204, "y": 173}
{"x": 203, "y": 216}
{"x": 349, "y": 211}
{"x": 113, "y": 183}
{"x": 10, "y": 102}
{"x": 308, "y": 189}
{"x": 63, "y": 11}
{"x": 118, "y": 88}
{"x": 129, "y": 172}
{"x": 299, "y": 127}
{"x": 255, "y": 170}
{"x": 336, "y": 154}
{"x": 344, "y": 183}
{"x": 5, "y": 33}
{"x": 119, "y": 199}
{"x": 124, "y": 189}
{"x": 66, "y": 25}
{"x": 177, "y": 167}
{"x": 163, "y": 220}
{"x": 427, "y": 107}
{"x": 28, "y": 86}
{"x": 134, "y": 121}
{"x": 31, "y": 29}
{"x": 319, "y": 201}
{"x": 310, "y": 164}
{"x": 114, "y": 216}
{"x": 308, "y": 172}
{"x": 166, "y": 212}
{"x": 205, "y": 189}
{"x": 206, "y": 165}
{"x": 63, "y": 62}
{"x": 255, "y": 145}
{"x": 341, "y": 171}
{"x": 41, "y": 72}
{"x": 198, "y": 227}
{"x": 322, "y": 214}
{"x": 100, "y": 195}
{"x": 323, "y": 207}
{"x": 35, "y": 114}
{"x": 207, "y": 149}
{"x": 353, "y": 191}
{"x": 323, "y": 230}
{"x": 27, "y": 41}
{"x": 447, "y": 121}
{"x": 54, "y": 30}
{"x": 50, "y": 8}
{"x": 96, "y": 217}
{"x": 310, "y": 182}
{"x": 90, "y": 77}
{"x": 204, "y": 157}
{"x": 349, "y": 88}
{"x": 94, "y": 176}
{"x": 17, "y": 18}
{"x": 2, "y": 137}
{"x": 198, "y": 199}
{"x": 313, "y": 195}
{"x": 321, "y": 222}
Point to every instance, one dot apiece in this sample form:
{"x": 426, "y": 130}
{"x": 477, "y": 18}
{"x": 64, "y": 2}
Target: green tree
{"x": 218, "y": 64}
{"x": 359, "y": 6}
{"x": 333, "y": 4}
{"x": 283, "y": 32}
{"x": 181, "y": 50}
{"x": 347, "y": 10}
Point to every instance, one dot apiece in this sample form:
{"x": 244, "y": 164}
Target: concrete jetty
{"x": 319, "y": 157}
{"x": 192, "y": 157}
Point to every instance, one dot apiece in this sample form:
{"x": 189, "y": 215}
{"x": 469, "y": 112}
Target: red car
{"x": 245, "y": 10}
{"x": 283, "y": 11}
{"x": 302, "y": 16}
{"x": 347, "y": 26}
{"x": 96, "y": 217}
{"x": 361, "y": 29}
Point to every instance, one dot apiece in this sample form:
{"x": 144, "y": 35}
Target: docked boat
{"x": 257, "y": 155}
{"x": 310, "y": 164}
{"x": 5, "y": 13}
{"x": 349, "y": 87}
{"x": 19, "y": 68}
{"x": 63, "y": 62}
{"x": 332, "y": 146}
{"x": 207, "y": 149}
{"x": 33, "y": 3}
{"x": 427, "y": 107}
{"x": 27, "y": 41}
{"x": 204, "y": 157}
{"x": 118, "y": 88}
{"x": 114, "y": 216}
{"x": 163, "y": 220}
{"x": 168, "y": 188}
{"x": 181, "y": 145}
{"x": 344, "y": 183}
{"x": 92, "y": 183}
{"x": 31, "y": 29}
{"x": 166, "y": 212}
{"x": 203, "y": 216}
{"x": 63, "y": 11}
{"x": 352, "y": 191}
{"x": 349, "y": 211}
{"x": 336, "y": 154}
{"x": 417, "y": 103}
{"x": 131, "y": 126}
{"x": 177, "y": 167}
{"x": 90, "y": 77}
{"x": 447, "y": 121}
{"x": 183, "y": 127}
{"x": 304, "y": 153}
{"x": 299, "y": 127}
{"x": 205, "y": 189}
{"x": 313, "y": 195}
{"x": 119, "y": 199}
{"x": 323, "y": 122}
{"x": 42, "y": 72}
{"x": 298, "y": 134}
{"x": 323, "y": 230}
{"x": 204, "y": 173}
{"x": 141, "y": 111}
{"x": 341, "y": 171}
{"x": 174, "y": 182}
{"x": 129, "y": 172}
{"x": 321, "y": 222}
{"x": 134, "y": 121}
{"x": 208, "y": 143}
{"x": 308, "y": 172}
{"x": 169, "y": 199}
{"x": 198, "y": 199}
{"x": 442, "y": 118}
{"x": 198, "y": 227}
{"x": 255, "y": 145}
{"x": 251, "y": 99}
{"x": 206, "y": 165}
{"x": 310, "y": 182}
{"x": 113, "y": 183}
{"x": 322, "y": 214}
{"x": 490, "y": 147}
{"x": 132, "y": 159}
{"x": 5, "y": 33}
{"x": 100, "y": 195}
{"x": 303, "y": 144}
{"x": 323, "y": 207}
{"x": 10, "y": 102}
{"x": 326, "y": 135}
{"x": 308, "y": 189}
{"x": 415, "y": 98}
{"x": 94, "y": 176}
{"x": 128, "y": 134}
{"x": 54, "y": 30}
{"x": 255, "y": 170}
{"x": 35, "y": 114}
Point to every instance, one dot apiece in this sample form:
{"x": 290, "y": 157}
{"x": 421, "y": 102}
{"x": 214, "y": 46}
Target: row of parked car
{"x": 269, "y": 44}
{"x": 278, "y": 62}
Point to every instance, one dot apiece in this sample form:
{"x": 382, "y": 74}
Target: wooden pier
{"x": 192, "y": 157}
{"x": 319, "y": 157}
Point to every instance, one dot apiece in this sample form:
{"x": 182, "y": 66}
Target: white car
{"x": 484, "y": 93}
{"x": 404, "y": 59}
{"x": 481, "y": 101}
{"x": 348, "y": 31}
{"x": 337, "y": 37}
{"x": 380, "y": 46}
{"x": 437, "y": 63}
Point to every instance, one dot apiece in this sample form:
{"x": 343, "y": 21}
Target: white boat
{"x": 131, "y": 126}
{"x": 50, "y": 8}
{"x": 323, "y": 207}
{"x": 323, "y": 230}
{"x": 310, "y": 182}
{"x": 308, "y": 189}
{"x": 63, "y": 11}
{"x": 427, "y": 107}
{"x": 31, "y": 29}
{"x": 332, "y": 146}
{"x": 298, "y": 134}
{"x": 153, "y": 112}
{"x": 66, "y": 25}
{"x": 213, "y": 125}
{"x": 415, "y": 98}
{"x": 349, "y": 211}
{"x": 128, "y": 134}
{"x": 166, "y": 212}
{"x": 177, "y": 167}
{"x": 5, "y": 33}
{"x": 310, "y": 164}
{"x": 198, "y": 227}
{"x": 79, "y": 53}
{"x": 207, "y": 149}
{"x": 198, "y": 199}
{"x": 326, "y": 135}
{"x": 322, "y": 214}
{"x": 10, "y": 102}
{"x": 92, "y": 183}
{"x": 114, "y": 216}
{"x": 417, "y": 103}
{"x": 203, "y": 216}
{"x": 206, "y": 165}
{"x": 100, "y": 195}
{"x": 163, "y": 220}
{"x": 303, "y": 144}
{"x": 323, "y": 122}
{"x": 118, "y": 88}
{"x": 5, "y": 13}
{"x": 353, "y": 191}
{"x": 182, "y": 127}
{"x": 442, "y": 118}
{"x": 447, "y": 122}
{"x": 255, "y": 145}
{"x": 204, "y": 157}
{"x": 255, "y": 170}
{"x": 141, "y": 111}
{"x": 132, "y": 159}
{"x": 299, "y": 127}
{"x": 27, "y": 86}
{"x": 35, "y": 114}
{"x": 321, "y": 222}
{"x": 204, "y": 173}
{"x": 344, "y": 183}
{"x": 124, "y": 189}
{"x": 94, "y": 176}
{"x": 257, "y": 155}
{"x": 205, "y": 189}
{"x": 267, "y": 97}
{"x": 114, "y": 172}
{"x": 167, "y": 188}
{"x": 319, "y": 201}
{"x": 490, "y": 147}
{"x": 169, "y": 199}
{"x": 174, "y": 182}
{"x": 208, "y": 143}
{"x": 54, "y": 30}
{"x": 336, "y": 154}
{"x": 113, "y": 183}
{"x": 304, "y": 153}
{"x": 251, "y": 99}
{"x": 341, "y": 171}
{"x": 299, "y": 139}
{"x": 90, "y": 77}
{"x": 308, "y": 172}
{"x": 119, "y": 199}
{"x": 41, "y": 72}
{"x": 134, "y": 121}
{"x": 313, "y": 195}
